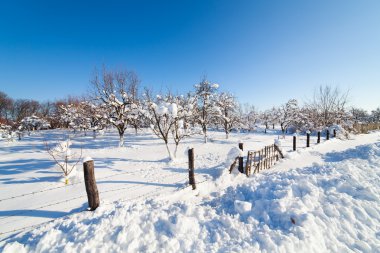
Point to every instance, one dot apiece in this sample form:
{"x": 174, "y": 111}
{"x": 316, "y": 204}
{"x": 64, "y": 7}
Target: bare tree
{"x": 117, "y": 90}
{"x": 375, "y": 115}
{"x": 64, "y": 157}
{"x": 23, "y": 108}
{"x": 6, "y": 104}
{"x": 359, "y": 115}
{"x": 330, "y": 104}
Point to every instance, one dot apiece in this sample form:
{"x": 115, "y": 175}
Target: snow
{"x": 162, "y": 109}
{"x": 322, "y": 199}
{"x": 215, "y": 86}
{"x": 173, "y": 110}
{"x": 242, "y": 207}
{"x": 87, "y": 158}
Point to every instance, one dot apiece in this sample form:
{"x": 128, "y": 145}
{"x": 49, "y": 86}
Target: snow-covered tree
{"x": 6, "y": 132}
{"x": 33, "y": 123}
{"x": 94, "y": 116}
{"x": 181, "y": 127}
{"x": 118, "y": 92}
{"x": 229, "y": 111}
{"x": 287, "y": 114}
{"x": 189, "y": 103}
{"x": 72, "y": 115}
{"x": 304, "y": 120}
{"x": 206, "y": 107}
{"x": 167, "y": 118}
{"x": 266, "y": 119}
{"x": 273, "y": 114}
{"x": 249, "y": 117}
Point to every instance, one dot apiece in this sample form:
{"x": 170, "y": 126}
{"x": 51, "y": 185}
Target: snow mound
{"x": 328, "y": 207}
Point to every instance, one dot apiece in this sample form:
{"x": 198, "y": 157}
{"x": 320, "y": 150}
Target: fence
{"x": 262, "y": 159}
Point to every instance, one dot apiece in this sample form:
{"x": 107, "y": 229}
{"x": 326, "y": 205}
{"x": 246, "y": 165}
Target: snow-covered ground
{"x": 321, "y": 199}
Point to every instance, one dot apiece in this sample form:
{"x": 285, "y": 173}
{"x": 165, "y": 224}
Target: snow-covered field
{"x": 321, "y": 199}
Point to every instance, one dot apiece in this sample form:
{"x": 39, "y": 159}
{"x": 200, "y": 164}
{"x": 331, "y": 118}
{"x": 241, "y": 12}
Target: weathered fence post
{"x": 327, "y": 134}
{"x": 90, "y": 183}
{"x": 191, "y": 168}
{"x": 241, "y": 159}
{"x": 308, "y": 139}
{"x": 334, "y": 133}
{"x": 319, "y": 137}
{"x": 294, "y": 142}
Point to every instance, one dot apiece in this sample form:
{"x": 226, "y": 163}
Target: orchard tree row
{"x": 117, "y": 100}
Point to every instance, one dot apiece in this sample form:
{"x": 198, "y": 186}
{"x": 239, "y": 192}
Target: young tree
{"x": 64, "y": 157}
{"x": 118, "y": 92}
{"x": 206, "y": 111}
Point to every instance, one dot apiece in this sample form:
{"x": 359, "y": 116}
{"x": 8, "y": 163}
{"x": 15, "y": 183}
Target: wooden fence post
{"x": 191, "y": 168}
{"x": 241, "y": 159}
{"x": 308, "y": 139}
{"x": 259, "y": 163}
{"x": 327, "y": 134}
{"x": 90, "y": 182}
{"x": 294, "y": 143}
{"x": 319, "y": 137}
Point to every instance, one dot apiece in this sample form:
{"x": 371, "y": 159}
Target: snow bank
{"x": 333, "y": 207}
{"x": 341, "y": 133}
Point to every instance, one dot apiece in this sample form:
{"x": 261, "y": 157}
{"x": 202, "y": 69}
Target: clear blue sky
{"x": 265, "y": 52}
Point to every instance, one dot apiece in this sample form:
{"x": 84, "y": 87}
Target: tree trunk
{"x": 167, "y": 148}
{"x": 121, "y": 140}
{"x": 175, "y": 150}
{"x": 205, "y": 133}
{"x": 120, "y": 128}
